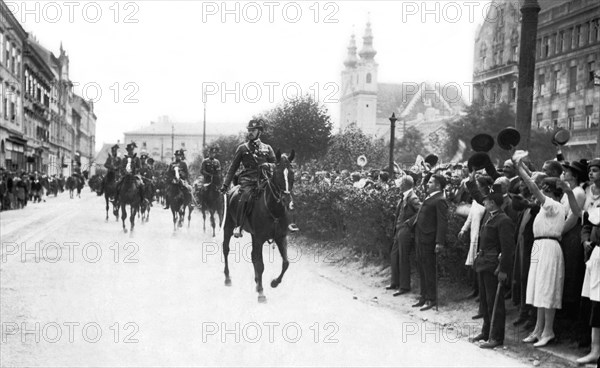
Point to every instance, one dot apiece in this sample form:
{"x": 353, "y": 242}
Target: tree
{"x": 347, "y": 145}
{"x": 301, "y": 124}
{"x": 407, "y": 148}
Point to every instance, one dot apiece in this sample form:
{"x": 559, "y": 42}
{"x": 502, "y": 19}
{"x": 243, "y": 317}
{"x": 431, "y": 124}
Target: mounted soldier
{"x": 184, "y": 176}
{"x": 130, "y": 164}
{"x": 211, "y": 166}
{"x": 112, "y": 165}
{"x": 77, "y": 169}
{"x": 255, "y": 156}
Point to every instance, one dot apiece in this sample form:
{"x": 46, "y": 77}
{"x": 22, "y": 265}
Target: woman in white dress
{"x": 546, "y": 273}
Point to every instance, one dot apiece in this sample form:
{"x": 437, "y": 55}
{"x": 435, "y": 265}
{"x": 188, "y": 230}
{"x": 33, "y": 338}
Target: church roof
{"x": 408, "y": 100}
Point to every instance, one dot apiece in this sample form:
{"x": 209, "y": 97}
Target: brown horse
{"x": 178, "y": 201}
{"x": 211, "y": 200}
{"x": 110, "y": 194}
{"x": 148, "y": 198}
{"x": 267, "y": 220}
{"x": 130, "y": 194}
{"x": 74, "y": 183}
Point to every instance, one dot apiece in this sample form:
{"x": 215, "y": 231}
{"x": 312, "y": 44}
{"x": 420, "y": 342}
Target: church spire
{"x": 368, "y": 52}
{"x": 351, "y": 59}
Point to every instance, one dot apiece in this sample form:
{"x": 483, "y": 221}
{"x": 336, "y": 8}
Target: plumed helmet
{"x": 256, "y": 124}
{"x": 131, "y": 145}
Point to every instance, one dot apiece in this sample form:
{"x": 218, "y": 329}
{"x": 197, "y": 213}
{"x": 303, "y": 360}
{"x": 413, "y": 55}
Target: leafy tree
{"x": 302, "y": 124}
{"x": 346, "y": 146}
{"x": 407, "y": 148}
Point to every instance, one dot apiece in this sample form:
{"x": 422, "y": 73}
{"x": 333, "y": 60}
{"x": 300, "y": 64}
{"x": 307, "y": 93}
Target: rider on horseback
{"x": 210, "y": 165}
{"x": 255, "y": 156}
{"x": 77, "y": 168}
{"x": 112, "y": 164}
{"x": 147, "y": 173}
{"x": 130, "y": 164}
{"x": 183, "y": 176}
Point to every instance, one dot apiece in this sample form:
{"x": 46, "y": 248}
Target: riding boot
{"x": 240, "y": 216}
{"x": 166, "y": 207}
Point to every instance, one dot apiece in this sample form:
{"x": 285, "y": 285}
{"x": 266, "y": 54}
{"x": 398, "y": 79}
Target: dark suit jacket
{"x": 431, "y": 222}
{"x": 496, "y": 237}
{"x": 406, "y": 210}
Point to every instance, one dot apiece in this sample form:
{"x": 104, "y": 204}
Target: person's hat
{"x": 478, "y": 161}
{"x": 150, "y": 161}
{"x": 594, "y": 162}
{"x": 579, "y": 169}
{"x": 131, "y": 145}
{"x": 144, "y": 155}
{"x": 179, "y": 153}
{"x": 256, "y": 124}
{"x": 116, "y": 146}
{"x": 482, "y": 142}
{"x": 508, "y": 138}
{"x": 214, "y": 149}
{"x": 561, "y": 137}
{"x": 432, "y": 160}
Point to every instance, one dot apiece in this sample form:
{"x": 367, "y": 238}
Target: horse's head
{"x": 177, "y": 177}
{"x": 128, "y": 167}
{"x": 283, "y": 177}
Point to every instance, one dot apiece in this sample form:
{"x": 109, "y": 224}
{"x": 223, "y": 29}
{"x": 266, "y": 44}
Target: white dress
{"x": 547, "y": 270}
{"x": 473, "y": 221}
{"x": 591, "y": 282}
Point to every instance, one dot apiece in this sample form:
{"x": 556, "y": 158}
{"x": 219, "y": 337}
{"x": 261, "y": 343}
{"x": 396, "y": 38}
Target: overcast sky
{"x": 144, "y": 59}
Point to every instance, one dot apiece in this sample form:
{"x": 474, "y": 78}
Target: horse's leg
{"x": 203, "y": 218}
{"x": 134, "y": 211}
{"x": 227, "y": 233}
{"x": 259, "y": 267}
{"x": 107, "y": 206}
{"x": 212, "y": 221}
{"x": 285, "y": 263}
{"x": 123, "y": 215}
{"x": 174, "y": 213}
{"x": 190, "y": 210}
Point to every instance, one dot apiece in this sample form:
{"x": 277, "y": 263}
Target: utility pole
{"x": 172, "y": 139}
{"x": 529, "y": 10}
{"x": 204, "y": 132}
{"x": 393, "y": 120}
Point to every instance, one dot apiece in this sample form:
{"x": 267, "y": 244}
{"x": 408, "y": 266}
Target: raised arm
{"x": 530, "y": 183}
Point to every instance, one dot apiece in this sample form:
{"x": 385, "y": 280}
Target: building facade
{"x": 567, "y": 56}
{"x": 43, "y": 124}
{"x": 161, "y": 139}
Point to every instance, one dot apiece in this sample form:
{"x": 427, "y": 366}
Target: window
{"x": 546, "y": 46}
{"x": 513, "y": 91}
{"x": 538, "y": 119}
{"x": 573, "y": 78}
{"x": 368, "y": 77}
{"x": 144, "y": 145}
{"x": 539, "y": 48}
{"x": 589, "y": 114}
{"x": 570, "y": 118}
{"x": 541, "y": 84}
{"x": 559, "y": 42}
{"x": 555, "y": 77}
{"x": 183, "y": 144}
{"x": 501, "y": 57}
{"x": 7, "y": 53}
{"x": 515, "y": 51}
{"x": 1, "y": 48}
{"x": 576, "y": 36}
{"x": 591, "y": 73}
{"x": 555, "y": 118}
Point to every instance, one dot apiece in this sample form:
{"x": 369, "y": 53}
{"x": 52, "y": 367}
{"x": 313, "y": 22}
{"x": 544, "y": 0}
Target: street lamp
{"x": 393, "y": 120}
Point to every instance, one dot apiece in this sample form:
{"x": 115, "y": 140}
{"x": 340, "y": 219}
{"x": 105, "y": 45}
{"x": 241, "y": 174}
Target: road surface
{"x": 77, "y": 291}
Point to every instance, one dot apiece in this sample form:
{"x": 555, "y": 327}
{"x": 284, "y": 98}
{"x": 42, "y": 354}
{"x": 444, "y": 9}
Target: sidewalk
{"x": 455, "y": 311}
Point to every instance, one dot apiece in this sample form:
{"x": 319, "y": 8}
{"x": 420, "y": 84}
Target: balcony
{"x": 583, "y": 136}
{"x": 496, "y": 72}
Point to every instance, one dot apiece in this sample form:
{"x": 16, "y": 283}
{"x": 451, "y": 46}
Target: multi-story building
{"x": 37, "y": 84}
{"x": 84, "y": 121}
{"x": 567, "y": 55}
{"x": 369, "y": 104}
{"x": 161, "y": 139}
{"x": 12, "y": 140}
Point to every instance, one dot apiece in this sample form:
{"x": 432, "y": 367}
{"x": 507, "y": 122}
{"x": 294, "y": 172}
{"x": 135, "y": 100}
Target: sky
{"x": 138, "y": 60}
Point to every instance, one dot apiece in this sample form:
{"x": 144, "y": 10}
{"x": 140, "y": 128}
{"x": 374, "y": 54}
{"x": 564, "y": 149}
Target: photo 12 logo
{"x": 74, "y": 11}
{"x": 69, "y": 332}
{"x": 53, "y": 252}
{"x": 269, "y": 11}
{"x": 253, "y": 332}
{"x": 254, "y": 92}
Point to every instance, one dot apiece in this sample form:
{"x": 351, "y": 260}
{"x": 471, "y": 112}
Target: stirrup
{"x": 293, "y": 228}
{"x": 237, "y": 232}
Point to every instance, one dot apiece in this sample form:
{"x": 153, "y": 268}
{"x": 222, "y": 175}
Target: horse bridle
{"x": 278, "y": 197}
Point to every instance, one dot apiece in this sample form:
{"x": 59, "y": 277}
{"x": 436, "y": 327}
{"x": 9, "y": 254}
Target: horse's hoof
{"x": 262, "y": 299}
{"x": 274, "y": 283}
{"x": 227, "y": 282}
{"x": 125, "y": 231}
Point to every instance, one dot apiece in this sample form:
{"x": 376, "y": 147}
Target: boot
{"x": 240, "y": 214}
{"x": 166, "y": 207}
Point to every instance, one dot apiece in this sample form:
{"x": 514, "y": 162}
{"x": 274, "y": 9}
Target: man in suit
{"x": 404, "y": 236}
{"x": 431, "y": 225}
{"x": 510, "y": 172}
{"x": 493, "y": 265}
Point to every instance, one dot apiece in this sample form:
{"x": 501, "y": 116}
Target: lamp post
{"x": 393, "y": 120}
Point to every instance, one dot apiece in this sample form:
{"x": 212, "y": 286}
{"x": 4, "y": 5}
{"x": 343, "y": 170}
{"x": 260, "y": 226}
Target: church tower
{"x": 358, "y": 103}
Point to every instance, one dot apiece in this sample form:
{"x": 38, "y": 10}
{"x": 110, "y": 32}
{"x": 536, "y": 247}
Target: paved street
{"x": 93, "y": 296}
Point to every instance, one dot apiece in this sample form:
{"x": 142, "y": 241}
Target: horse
{"x": 37, "y": 190}
{"x": 148, "y": 198}
{"x": 129, "y": 194}
{"x": 110, "y": 194}
{"x": 267, "y": 220}
{"x": 73, "y": 183}
{"x": 211, "y": 200}
{"x": 178, "y": 202}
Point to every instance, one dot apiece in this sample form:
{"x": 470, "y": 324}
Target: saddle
{"x": 234, "y": 195}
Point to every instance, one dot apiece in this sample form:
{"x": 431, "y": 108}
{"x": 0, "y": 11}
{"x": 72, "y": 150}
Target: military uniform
{"x": 131, "y": 165}
{"x": 210, "y": 167}
{"x": 183, "y": 176}
{"x": 113, "y": 165}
